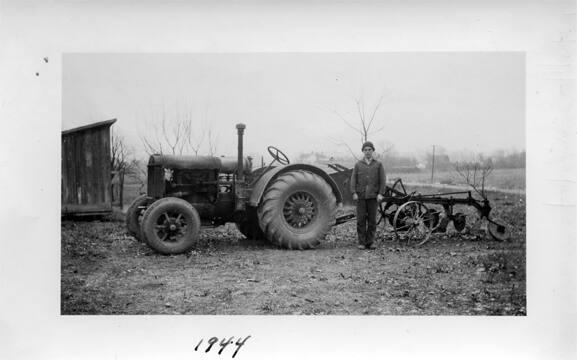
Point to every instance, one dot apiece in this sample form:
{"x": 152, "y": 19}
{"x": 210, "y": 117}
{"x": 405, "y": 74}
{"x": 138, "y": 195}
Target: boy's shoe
{"x": 361, "y": 247}
{"x": 372, "y": 246}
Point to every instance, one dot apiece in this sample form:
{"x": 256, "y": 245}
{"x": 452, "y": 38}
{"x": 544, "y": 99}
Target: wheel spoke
{"x": 403, "y": 227}
{"x": 178, "y": 217}
{"x": 411, "y": 220}
{"x": 299, "y": 209}
{"x": 166, "y": 217}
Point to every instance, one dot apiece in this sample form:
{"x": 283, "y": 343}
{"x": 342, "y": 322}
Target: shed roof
{"x": 89, "y": 126}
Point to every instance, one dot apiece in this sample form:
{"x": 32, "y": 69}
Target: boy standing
{"x": 367, "y": 186}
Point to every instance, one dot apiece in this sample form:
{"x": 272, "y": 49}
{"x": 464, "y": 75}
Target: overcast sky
{"x": 297, "y": 101}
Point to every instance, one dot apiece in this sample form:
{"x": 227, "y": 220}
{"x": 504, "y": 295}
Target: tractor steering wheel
{"x": 278, "y": 155}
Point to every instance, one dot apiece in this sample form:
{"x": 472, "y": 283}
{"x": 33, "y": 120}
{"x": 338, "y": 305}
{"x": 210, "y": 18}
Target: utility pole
{"x": 433, "y": 165}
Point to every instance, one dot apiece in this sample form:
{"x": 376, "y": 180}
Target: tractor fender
{"x": 262, "y": 183}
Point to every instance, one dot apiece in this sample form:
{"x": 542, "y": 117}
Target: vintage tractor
{"x": 290, "y": 205}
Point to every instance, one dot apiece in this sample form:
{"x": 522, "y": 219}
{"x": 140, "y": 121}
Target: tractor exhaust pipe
{"x": 240, "y": 163}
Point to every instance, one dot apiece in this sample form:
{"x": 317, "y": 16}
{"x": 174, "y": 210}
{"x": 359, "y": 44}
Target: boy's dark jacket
{"x": 368, "y": 180}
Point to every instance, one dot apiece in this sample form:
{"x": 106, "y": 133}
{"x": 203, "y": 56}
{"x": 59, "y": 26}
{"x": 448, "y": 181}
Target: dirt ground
{"x": 105, "y": 271}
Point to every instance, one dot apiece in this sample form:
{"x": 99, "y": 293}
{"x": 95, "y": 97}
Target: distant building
{"x": 86, "y": 172}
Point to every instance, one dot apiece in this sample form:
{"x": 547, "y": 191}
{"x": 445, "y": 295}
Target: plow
{"x": 414, "y": 217}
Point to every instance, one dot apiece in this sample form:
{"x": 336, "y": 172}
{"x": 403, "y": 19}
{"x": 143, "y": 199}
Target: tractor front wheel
{"x": 134, "y": 216}
{"x": 297, "y": 210}
{"x": 171, "y": 226}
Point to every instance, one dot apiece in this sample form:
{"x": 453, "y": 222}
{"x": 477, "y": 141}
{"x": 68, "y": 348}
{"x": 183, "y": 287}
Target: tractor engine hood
{"x": 221, "y": 164}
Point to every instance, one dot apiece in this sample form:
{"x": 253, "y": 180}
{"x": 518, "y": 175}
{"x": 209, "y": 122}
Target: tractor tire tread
{"x": 132, "y": 224}
{"x": 270, "y": 212}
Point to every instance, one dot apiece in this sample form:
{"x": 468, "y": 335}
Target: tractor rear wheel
{"x": 297, "y": 210}
{"x": 134, "y": 216}
{"x": 171, "y": 226}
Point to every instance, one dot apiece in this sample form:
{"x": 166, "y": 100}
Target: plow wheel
{"x": 386, "y": 213}
{"x": 432, "y": 218}
{"x": 413, "y": 221}
{"x": 394, "y": 220}
{"x": 498, "y": 230}
{"x": 297, "y": 210}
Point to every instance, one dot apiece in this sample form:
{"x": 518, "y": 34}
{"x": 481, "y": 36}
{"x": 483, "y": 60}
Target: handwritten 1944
{"x": 223, "y": 344}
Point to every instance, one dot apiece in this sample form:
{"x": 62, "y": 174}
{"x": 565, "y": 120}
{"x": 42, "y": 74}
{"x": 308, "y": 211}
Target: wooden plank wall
{"x": 86, "y": 171}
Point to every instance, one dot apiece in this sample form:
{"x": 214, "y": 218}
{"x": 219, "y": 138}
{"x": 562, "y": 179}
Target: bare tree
{"x": 138, "y": 171}
{"x": 194, "y": 139}
{"x": 177, "y": 135}
{"x": 121, "y": 161}
{"x": 119, "y": 153}
{"x": 167, "y": 137}
{"x": 475, "y": 174}
{"x": 364, "y": 122}
{"x": 212, "y": 140}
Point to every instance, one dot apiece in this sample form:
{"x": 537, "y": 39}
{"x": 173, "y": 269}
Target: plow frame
{"x": 408, "y": 213}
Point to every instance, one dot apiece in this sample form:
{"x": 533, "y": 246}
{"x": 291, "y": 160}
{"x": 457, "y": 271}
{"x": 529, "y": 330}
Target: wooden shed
{"x": 86, "y": 173}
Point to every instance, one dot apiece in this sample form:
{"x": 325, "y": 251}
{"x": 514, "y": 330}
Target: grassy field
{"x": 499, "y": 179}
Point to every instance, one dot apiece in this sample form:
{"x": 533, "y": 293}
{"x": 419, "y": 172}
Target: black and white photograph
{"x": 280, "y": 180}
{"x": 294, "y": 184}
